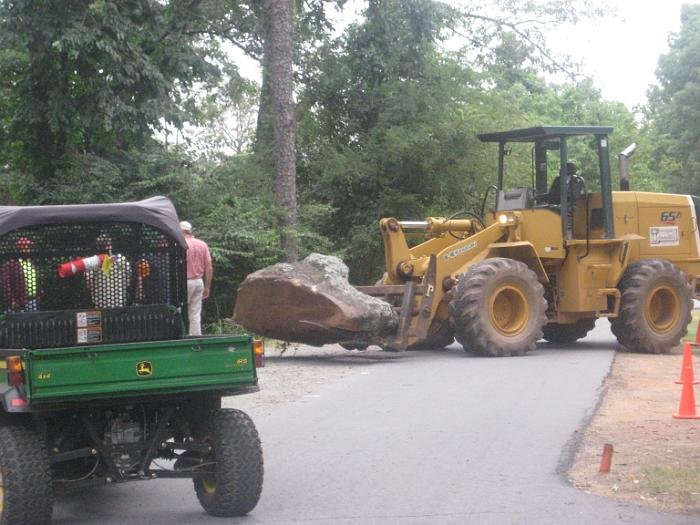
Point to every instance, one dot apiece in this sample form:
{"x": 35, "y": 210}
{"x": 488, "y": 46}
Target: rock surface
{"x": 311, "y": 302}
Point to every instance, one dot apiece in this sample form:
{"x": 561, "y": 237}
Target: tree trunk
{"x": 264, "y": 142}
{"x": 40, "y": 82}
{"x": 264, "y": 135}
{"x": 280, "y": 49}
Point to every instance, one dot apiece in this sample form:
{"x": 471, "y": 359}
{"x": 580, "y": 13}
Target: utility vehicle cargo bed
{"x": 134, "y": 369}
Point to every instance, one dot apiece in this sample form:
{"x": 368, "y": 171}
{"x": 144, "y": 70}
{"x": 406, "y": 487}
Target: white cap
{"x": 186, "y": 226}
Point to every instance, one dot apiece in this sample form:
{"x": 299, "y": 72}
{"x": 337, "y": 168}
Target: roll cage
{"x": 546, "y": 138}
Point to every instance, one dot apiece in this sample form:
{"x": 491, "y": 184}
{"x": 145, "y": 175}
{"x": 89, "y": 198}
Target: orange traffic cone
{"x": 687, "y": 362}
{"x": 686, "y": 408}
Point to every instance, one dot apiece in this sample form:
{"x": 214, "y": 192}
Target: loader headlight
{"x": 506, "y": 219}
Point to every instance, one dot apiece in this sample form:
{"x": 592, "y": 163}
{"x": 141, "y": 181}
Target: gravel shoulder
{"x": 656, "y": 459}
{"x": 296, "y": 371}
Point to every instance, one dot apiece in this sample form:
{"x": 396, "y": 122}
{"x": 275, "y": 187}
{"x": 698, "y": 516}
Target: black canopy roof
{"x": 158, "y": 212}
{"x": 543, "y": 133}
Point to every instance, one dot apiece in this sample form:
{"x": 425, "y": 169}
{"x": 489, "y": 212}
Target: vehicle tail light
{"x": 259, "y": 353}
{"x": 15, "y": 370}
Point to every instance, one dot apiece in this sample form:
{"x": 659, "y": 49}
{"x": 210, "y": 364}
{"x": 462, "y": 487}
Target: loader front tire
{"x": 654, "y": 308}
{"x": 26, "y": 495}
{"x": 235, "y": 488}
{"x": 566, "y": 334}
{"x": 498, "y": 308}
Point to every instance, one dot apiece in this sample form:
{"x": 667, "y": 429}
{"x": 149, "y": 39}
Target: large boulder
{"x": 311, "y": 302}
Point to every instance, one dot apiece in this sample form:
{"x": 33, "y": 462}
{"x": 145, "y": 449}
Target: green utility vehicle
{"x": 102, "y": 383}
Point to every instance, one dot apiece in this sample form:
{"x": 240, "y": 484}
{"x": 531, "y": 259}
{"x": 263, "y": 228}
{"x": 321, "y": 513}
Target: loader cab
{"x": 555, "y": 184}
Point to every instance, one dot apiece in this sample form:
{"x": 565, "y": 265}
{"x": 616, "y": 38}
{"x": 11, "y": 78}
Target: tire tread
{"x": 239, "y": 460}
{"x": 466, "y": 307}
{"x": 628, "y": 326}
{"x": 28, "y": 494}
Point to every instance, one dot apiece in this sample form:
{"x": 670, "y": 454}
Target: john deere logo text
{"x": 144, "y": 368}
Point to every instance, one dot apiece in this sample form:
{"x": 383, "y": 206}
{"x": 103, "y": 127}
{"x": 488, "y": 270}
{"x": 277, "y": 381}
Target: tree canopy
{"x": 105, "y": 100}
{"x": 674, "y": 107}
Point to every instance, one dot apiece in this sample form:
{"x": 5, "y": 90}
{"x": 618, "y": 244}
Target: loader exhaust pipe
{"x": 624, "y": 158}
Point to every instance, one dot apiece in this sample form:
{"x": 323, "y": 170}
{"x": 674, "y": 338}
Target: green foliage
{"x": 92, "y": 92}
{"x": 231, "y": 206}
{"x": 674, "y": 107}
{"x": 390, "y": 121}
{"x": 394, "y": 137}
{"x": 96, "y": 77}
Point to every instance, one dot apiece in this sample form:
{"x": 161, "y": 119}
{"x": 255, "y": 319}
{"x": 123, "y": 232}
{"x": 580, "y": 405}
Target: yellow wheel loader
{"x": 548, "y": 260}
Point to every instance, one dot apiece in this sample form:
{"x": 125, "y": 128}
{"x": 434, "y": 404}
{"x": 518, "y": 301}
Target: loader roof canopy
{"x": 543, "y": 133}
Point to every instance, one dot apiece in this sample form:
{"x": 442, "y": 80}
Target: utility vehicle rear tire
{"x": 236, "y": 487}
{"x": 26, "y": 495}
{"x": 565, "y": 334}
{"x": 654, "y": 308}
{"x": 498, "y": 308}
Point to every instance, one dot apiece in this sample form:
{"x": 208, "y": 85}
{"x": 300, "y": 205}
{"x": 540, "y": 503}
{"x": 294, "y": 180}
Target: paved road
{"x": 422, "y": 437}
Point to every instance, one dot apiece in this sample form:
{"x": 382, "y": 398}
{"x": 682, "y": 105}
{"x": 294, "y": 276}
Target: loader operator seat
{"x": 576, "y": 186}
{"x": 517, "y": 199}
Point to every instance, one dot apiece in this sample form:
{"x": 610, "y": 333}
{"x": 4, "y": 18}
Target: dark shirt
{"x": 153, "y": 271}
{"x": 20, "y": 286}
{"x": 574, "y": 188}
{"x": 14, "y": 292}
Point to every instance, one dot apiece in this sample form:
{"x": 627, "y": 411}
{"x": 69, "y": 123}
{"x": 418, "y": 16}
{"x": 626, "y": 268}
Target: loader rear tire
{"x": 654, "y": 308}
{"x": 565, "y": 334}
{"x": 498, "y": 308}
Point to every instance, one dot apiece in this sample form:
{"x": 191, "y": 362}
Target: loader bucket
{"x": 312, "y": 302}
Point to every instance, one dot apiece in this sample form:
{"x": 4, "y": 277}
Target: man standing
{"x": 199, "y": 275}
